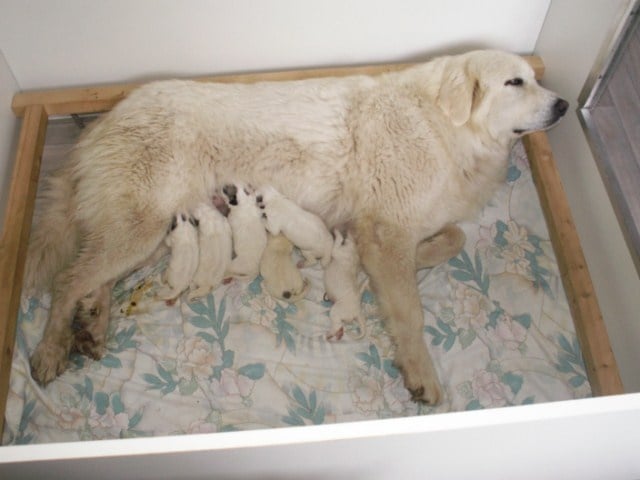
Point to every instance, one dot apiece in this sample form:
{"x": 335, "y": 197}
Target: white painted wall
{"x": 8, "y": 132}
{"x": 53, "y": 44}
{"x": 569, "y": 45}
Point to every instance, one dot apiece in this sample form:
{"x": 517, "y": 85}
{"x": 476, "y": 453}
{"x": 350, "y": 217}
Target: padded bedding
{"x": 496, "y": 319}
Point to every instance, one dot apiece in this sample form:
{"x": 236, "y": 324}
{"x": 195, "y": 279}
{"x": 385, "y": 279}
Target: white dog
{"x": 400, "y": 155}
{"x": 249, "y": 235}
{"x": 304, "y": 229}
{"x": 183, "y": 241}
{"x": 281, "y": 277}
{"x": 341, "y": 286}
{"x": 215, "y": 247}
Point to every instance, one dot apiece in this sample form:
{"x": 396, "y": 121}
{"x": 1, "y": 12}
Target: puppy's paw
{"x": 307, "y": 262}
{"x": 336, "y": 335}
{"x": 48, "y": 361}
{"x": 198, "y": 293}
{"x": 167, "y": 293}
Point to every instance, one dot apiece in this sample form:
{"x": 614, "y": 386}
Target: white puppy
{"x": 183, "y": 241}
{"x": 249, "y": 235}
{"x": 281, "y": 277}
{"x": 341, "y": 286}
{"x": 306, "y": 230}
{"x": 215, "y": 246}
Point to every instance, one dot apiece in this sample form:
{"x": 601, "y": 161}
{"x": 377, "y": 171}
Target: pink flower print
{"x": 197, "y": 357}
{"x": 511, "y": 333}
{"x": 264, "y": 309}
{"x": 470, "y": 306}
{"x": 488, "y": 389}
{"x": 71, "y": 419}
{"x": 517, "y": 247}
{"x": 368, "y": 393}
{"x": 108, "y": 424}
{"x": 231, "y": 385}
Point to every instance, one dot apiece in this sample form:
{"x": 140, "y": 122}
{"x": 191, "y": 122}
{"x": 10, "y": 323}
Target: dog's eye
{"x": 515, "y": 82}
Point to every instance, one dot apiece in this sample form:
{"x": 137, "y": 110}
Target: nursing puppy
{"x": 304, "y": 229}
{"x": 215, "y": 249}
{"x": 281, "y": 277}
{"x": 249, "y": 235}
{"x": 182, "y": 239}
{"x": 401, "y": 156}
{"x": 341, "y": 286}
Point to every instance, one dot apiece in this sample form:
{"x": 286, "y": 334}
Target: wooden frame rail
{"x": 36, "y": 107}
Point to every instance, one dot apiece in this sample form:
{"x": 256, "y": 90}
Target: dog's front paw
{"x": 422, "y": 383}
{"x": 48, "y": 361}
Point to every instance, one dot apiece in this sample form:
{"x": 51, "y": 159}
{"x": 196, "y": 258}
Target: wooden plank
{"x": 103, "y": 98}
{"x": 600, "y": 362}
{"x": 13, "y": 244}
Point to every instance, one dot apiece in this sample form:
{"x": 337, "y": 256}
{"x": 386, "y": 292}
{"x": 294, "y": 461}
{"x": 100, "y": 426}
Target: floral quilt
{"x": 496, "y": 321}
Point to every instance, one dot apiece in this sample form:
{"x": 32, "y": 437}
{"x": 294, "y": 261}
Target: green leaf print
{"x": 254, "y": 371}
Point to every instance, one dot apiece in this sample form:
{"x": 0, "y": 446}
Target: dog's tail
{"x": 54, "y": 233}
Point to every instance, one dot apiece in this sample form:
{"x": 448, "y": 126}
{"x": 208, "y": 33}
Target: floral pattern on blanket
{"x": 496, "y": 320}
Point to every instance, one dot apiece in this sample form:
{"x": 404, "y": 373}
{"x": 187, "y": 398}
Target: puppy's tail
{"x": 54, "y": 233}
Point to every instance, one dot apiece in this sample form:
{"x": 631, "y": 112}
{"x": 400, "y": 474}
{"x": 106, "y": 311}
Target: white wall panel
{"x": 75, "y": 42}
{"x": 8, "y": 132}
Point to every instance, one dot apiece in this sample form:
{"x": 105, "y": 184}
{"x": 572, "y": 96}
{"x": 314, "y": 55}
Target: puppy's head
{"x": 244, "y": 195}
{"x": 231, "y": 192}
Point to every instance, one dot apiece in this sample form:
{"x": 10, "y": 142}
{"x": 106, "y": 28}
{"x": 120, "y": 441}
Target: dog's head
{"x": 497, "y": 91}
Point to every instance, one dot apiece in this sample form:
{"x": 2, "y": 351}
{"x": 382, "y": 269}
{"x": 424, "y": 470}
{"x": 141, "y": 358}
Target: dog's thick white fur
{"x": 215, "y": 246}
{"x": 280, "y": 275}
{"x": 341, "y": 286}
{"x": 249, "y": 235}
{"x": 399, "y": 156}
{"x": 304, "y": 229}
{"x": 183, "y": 263}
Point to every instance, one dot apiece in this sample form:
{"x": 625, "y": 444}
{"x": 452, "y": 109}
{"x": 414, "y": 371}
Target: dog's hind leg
{"x": 386, "y": 253}
{"x": 102, "y": 259}
{"x": 440, "y": 247}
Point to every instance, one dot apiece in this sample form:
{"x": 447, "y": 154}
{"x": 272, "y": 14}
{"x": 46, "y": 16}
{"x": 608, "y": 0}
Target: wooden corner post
{"x": 15, "y": 235}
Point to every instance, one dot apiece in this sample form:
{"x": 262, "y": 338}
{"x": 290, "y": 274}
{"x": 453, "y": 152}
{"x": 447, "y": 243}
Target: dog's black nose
{"x": 560, "y": 107}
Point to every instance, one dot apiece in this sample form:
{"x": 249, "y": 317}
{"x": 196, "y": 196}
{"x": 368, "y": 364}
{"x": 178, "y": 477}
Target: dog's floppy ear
{"x": 455, "y": 96}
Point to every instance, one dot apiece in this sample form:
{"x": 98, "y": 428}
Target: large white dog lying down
{"x": 400, "y": 157}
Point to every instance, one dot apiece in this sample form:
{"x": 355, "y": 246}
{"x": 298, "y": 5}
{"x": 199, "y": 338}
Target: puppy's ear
{"x": 456, "y": 93}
